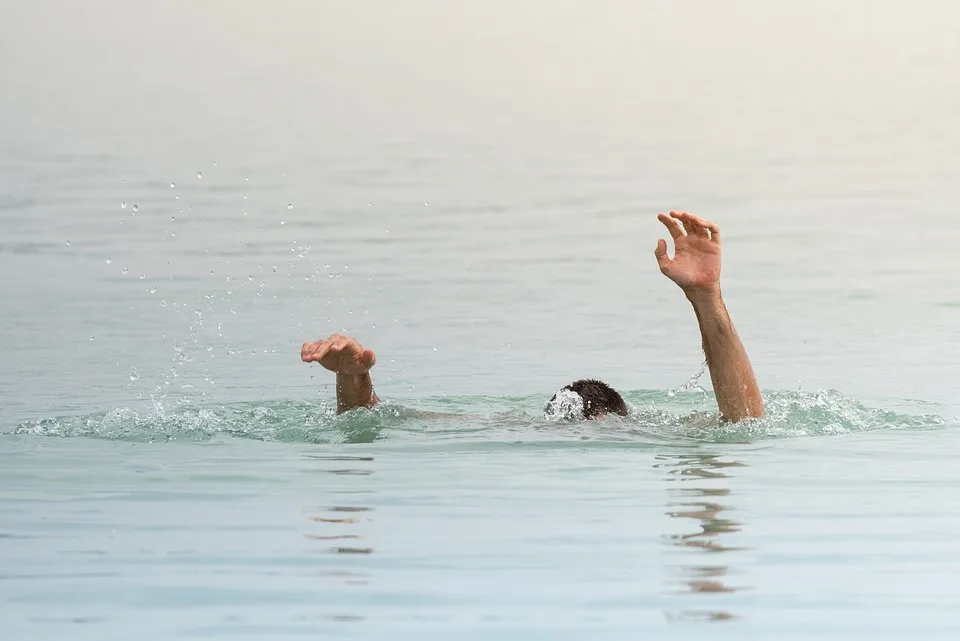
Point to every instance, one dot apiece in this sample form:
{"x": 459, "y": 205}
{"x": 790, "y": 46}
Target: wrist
{"x": 703, "y": 295}
{"x": 351, "y": 378}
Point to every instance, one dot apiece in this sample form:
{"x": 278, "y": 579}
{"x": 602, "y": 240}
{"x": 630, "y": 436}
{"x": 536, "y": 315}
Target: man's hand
{"x": 695, "y": 266}
{"x": 340, "y": 354}
{"x": 351, "y": 362}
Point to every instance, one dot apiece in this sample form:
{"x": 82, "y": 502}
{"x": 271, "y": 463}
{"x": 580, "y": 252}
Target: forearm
{"x": 355, "y": 391}
{"x": 734, "y": 382}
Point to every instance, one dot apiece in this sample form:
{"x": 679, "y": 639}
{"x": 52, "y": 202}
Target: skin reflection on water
{"x": 337, "y": 527}
{"x": 699, "y": 491}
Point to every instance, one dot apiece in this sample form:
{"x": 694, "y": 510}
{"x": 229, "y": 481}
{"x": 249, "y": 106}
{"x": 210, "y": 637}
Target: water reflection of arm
{"x": 696, "y": 269}
{"x": 347, "y": 358}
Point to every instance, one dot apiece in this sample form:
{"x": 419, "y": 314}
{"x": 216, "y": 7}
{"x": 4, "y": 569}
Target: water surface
{"x": 188, "y": 191}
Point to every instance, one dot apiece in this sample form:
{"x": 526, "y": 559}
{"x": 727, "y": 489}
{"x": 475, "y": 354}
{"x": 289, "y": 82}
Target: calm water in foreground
{"x": 186, "y": 195}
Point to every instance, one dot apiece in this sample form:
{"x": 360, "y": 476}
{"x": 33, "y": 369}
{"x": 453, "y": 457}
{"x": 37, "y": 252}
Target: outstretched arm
{"x": 351, "y": 363}
{"x": 695, "y": 267}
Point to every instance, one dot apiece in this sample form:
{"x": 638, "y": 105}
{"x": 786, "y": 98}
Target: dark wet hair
{"x": 598, "y": 398}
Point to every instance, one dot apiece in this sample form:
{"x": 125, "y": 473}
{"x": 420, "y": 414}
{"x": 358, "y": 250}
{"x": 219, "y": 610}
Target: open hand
{"x": 696, "y": 262}
{"x": 340, "y": 354}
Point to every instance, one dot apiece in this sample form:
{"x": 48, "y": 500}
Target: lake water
{"x": 188, "y": 191}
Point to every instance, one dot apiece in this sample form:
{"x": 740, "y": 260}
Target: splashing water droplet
{"x": 123, "y": 204}
{"x": 68, "y": 243}
{"x": 109, "y": 261}
{"x": 136, "y": 208}
{"x": 173, "y": 217}
{"x": 172, "y": 185}
{"x": 126, "y": 270}
{"x": 250, "y": 278}
{"x": 426, "y": 204}
{"x": 93, "y": 338}
{"x": 142, "y": 276}
{"x": 199, "y": 175}
{"x": 153, "y": 290}
{"x": 289, "y": 205}
{"x": 274, "y": 268}
{"x": 163, "y": 303}
{"x": 283, "y": 222}
{"x": 133, "y": 375}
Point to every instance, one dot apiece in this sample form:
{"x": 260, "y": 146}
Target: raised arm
{"x": 351, "y": 363}
{"x": 695, "y": 267}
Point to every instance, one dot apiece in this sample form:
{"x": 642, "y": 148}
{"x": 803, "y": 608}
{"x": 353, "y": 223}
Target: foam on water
{"x": 655, "y": 417}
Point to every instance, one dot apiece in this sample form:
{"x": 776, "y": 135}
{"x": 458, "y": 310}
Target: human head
{"x": 585, "y": 399}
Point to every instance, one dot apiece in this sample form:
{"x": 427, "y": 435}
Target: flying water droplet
{"x": 289, "y": 205}
{"x": 153, "y": 290}
{"x": 136, "y": 208}
{"x": 163, "y": 303}
{"x": 125, "y": 271}
{"x": 109, "y": 261}
{"x": 68, "y": 243}
{"x": 199, "y": 175}
{"x": 172, "y": 185}
{"x": 142, "y": 276}
{"x": 134, "y": 376}
{"x": 283, "y": 222}
{"x": 123, "y": 204}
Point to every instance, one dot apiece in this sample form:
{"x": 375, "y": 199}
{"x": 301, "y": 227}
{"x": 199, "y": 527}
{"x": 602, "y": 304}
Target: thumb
{"x": 369, "y": 358}
{"x": 661, "y": 253}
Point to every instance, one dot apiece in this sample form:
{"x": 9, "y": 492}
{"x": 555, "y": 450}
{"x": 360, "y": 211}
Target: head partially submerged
{"x": 585, "y": 399}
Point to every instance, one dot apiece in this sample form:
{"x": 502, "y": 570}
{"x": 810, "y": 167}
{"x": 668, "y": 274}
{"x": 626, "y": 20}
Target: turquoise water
{"x": 187, "y": 193}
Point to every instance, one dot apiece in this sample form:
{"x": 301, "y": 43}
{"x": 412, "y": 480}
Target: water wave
{"x": 656, "y": 416}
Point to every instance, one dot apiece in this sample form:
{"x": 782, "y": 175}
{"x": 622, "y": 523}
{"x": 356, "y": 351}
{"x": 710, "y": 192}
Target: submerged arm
{"x": 696, "y": 269}
{"x": 351, "y": 363}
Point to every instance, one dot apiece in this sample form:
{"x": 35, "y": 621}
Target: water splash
{"x": 693, "y": 384}
{"x": 655, "y": 418}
